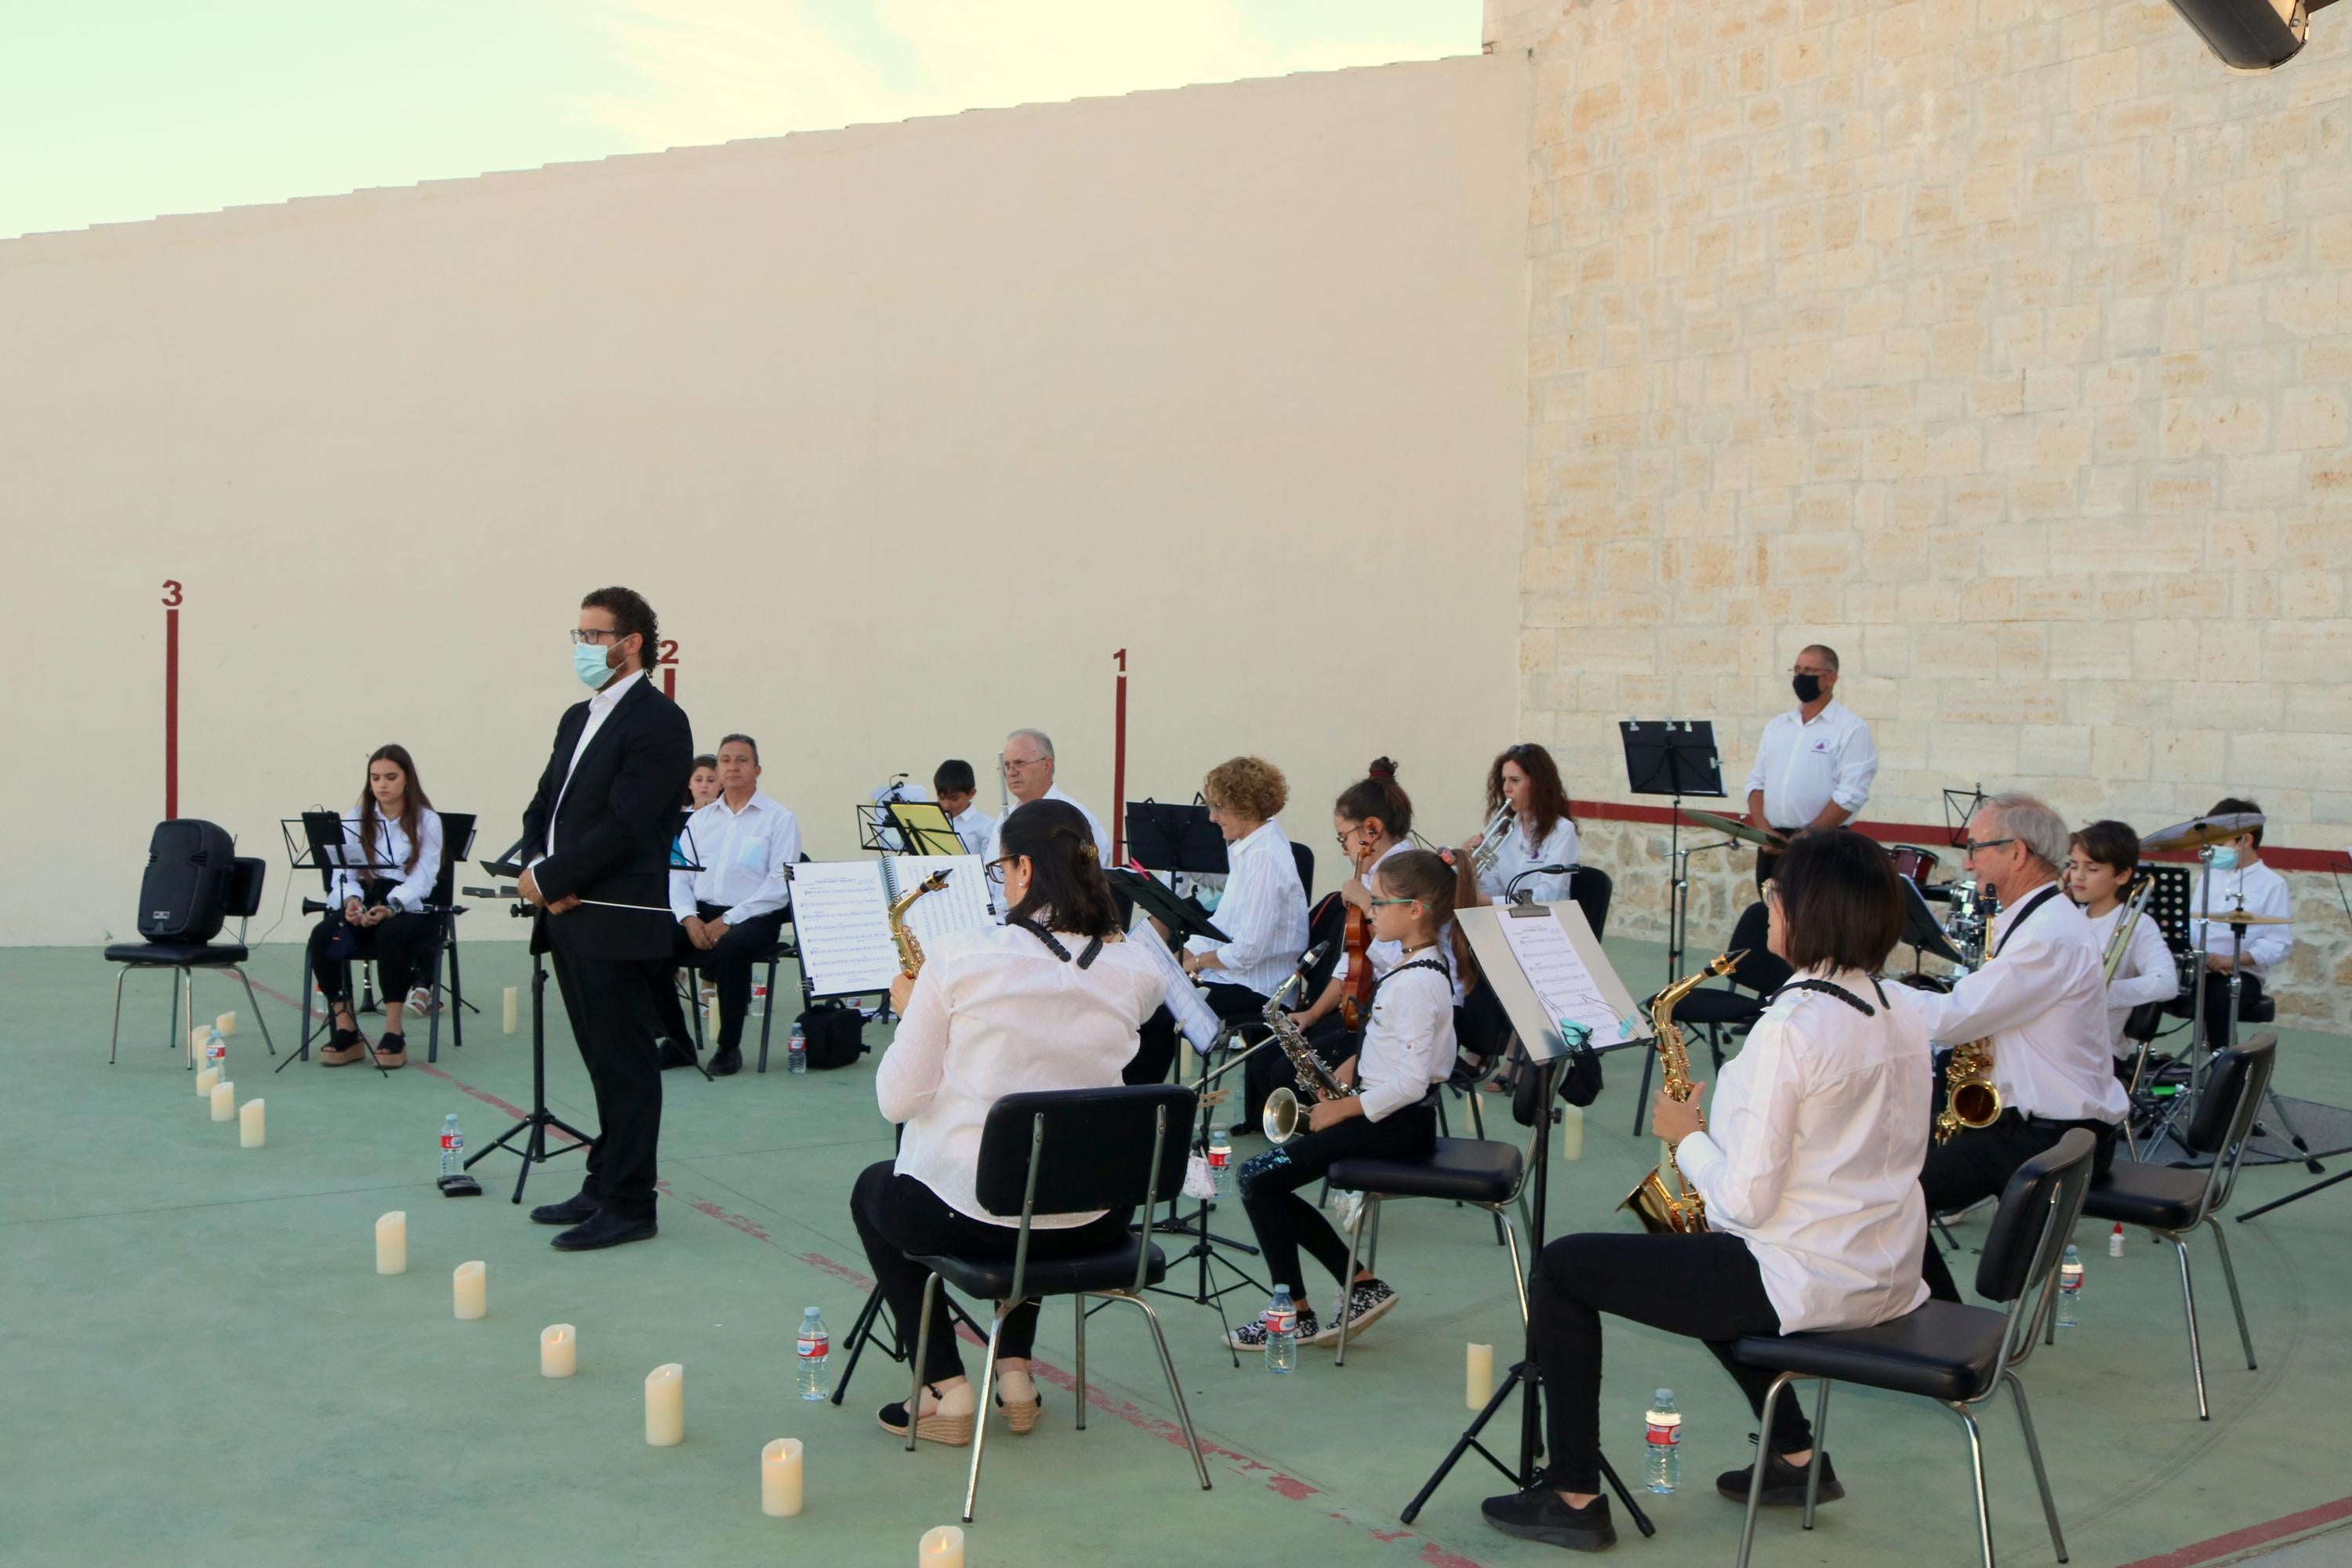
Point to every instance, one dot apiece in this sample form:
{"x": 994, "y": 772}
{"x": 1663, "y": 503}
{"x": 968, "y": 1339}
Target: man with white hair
{"x": 2040, "y": 998}
{"x": 1028, "y": 760}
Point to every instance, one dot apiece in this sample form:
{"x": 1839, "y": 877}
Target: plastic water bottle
{"x": 2070, "y": 1288}
{"x": 796, "y": 1051}
{"x": 1221, "y": 1159}
{"x": 2115, "y": 1242}
{"x": 1281, "y": 1332}
{"x": 1662, "y": 1471}
{"x": 216, "y": 1053}
{"x": 816, "y": 1348}
{"x": 452, "y": 1146}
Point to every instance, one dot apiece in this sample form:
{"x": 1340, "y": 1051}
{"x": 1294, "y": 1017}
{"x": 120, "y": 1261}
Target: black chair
{"x": 1733, "y": 1007}
{"x": 1959, "y": 1356}
{"x": 2172, "y": 1204}
{"x": 1305, "y": 861}
{"x": 244, "y": 901}
{"x": 1068, "y": 1151}
{"x": 1590, "y": 889}
{"x": 1484, "y": 1173}
{"x": 456, "y": 842}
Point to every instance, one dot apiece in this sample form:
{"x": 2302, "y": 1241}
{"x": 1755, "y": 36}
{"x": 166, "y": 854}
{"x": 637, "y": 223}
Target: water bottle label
{"x": 1664, "y": 1433}
{"x": 448, "y": 1141}
{"x": 815, "y": 1345}
{"x": 1281, "y": 1319}
{"x": 1219, "y": 1158}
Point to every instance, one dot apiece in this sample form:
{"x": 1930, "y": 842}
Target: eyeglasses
{"x": 1384, "y": 903}
{"x": 1347, "y": 840}
{"x": 1012, "y": 762}
{"x": 601, "y": 638}
{"x": 1973, "y": 844}
{"x": 995, "y": 869}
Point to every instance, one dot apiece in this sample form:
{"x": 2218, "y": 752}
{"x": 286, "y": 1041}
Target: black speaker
{"x": 185, "y": 895}
{"x": 2250, "y": 35}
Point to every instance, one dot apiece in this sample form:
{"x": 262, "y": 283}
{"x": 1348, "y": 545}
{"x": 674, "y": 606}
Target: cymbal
{"x": 2240, "y": 918}
{"x": 2199, "y": 831}
{"x": 1761, "y": 837}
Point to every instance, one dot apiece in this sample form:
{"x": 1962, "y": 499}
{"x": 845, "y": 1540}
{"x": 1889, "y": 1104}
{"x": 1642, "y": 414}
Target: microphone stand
{"x": 540, "y": 1118}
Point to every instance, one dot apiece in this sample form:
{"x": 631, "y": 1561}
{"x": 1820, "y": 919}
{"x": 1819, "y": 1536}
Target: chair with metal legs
{"x": 2173, "y": 1203}
{"x": 1958, "y": 1356}
{"x": 244, "y": 901}
{"x": 1067, "y": 1152}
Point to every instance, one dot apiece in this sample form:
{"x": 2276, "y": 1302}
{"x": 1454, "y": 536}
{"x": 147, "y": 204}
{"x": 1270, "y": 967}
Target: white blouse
{"x": 1263, "y": 909}
{"x": 994, "y": 1013}
{"x": 1518, "y": 852}
{"x": 1408, "y": 1043}
{"x": 390, "y": 848}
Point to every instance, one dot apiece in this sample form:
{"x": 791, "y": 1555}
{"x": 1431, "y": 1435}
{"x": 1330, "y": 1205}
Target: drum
{"x": 1913, "y": 862}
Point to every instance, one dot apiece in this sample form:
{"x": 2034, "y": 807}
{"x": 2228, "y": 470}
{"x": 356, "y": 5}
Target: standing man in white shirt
{"x": 2240, "y": 881}
{"x": 1028, "y": 759}
{"x": 1813, "y": 764}
{"x": 733, "y": 909}
{"x": 2041, "y": 999}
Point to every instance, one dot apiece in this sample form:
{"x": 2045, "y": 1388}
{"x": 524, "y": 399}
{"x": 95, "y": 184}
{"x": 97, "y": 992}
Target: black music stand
{"x": 539, "y": 1119}
{"x": 1166, "y": 837}
{"x": 1674, "y": 757}
{"x": 326, "y": 847}
{"x": 1959, "y": 805}
{"x": 925, "y": 828}
{"x": 1921, "y": 932}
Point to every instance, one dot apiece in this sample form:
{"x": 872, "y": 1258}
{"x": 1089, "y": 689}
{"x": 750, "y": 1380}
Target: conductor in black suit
{"x": 597, "y": 835}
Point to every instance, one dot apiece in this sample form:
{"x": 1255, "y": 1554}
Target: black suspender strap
{"x": 2023, "y": 915}
{"x": 1828, "y": 988}
{"x": 1053, "y": 944}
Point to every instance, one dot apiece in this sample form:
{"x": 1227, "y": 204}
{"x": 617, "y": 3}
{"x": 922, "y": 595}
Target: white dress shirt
{"x": 1263, "y": 909}
{"x": 2259, "y": 891}
{"x": 390, "y": 848}
{"x": 1054, "y": 792}
{"x": 2042, "y": 1000}
{"x": 1518, "y": 852}
{"x": 2147, "y": 974}
{"x": 1812, "y": 1153}
{"x": 1387, "y": 955}
{"x": 1409, "y": 1042}
{"x": 746, "y": 859}
{"x": 600, "y": 707}
{"x": 975, "y": 827}
{"x": 1803, "y": 764}
{"x": 994, "y": 1013}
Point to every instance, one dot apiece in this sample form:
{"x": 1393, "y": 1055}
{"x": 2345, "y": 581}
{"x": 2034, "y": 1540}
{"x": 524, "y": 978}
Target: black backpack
{"x": 184, "y": 897}
{"x": 835, "y": 1035}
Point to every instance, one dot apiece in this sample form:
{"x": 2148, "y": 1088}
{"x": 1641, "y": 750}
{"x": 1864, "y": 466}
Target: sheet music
{"x": 1556, "y": 972}
{"x": 962, "y": 905}
{"x": 841, "y": 917}
{"x": 1195, "y": 1020}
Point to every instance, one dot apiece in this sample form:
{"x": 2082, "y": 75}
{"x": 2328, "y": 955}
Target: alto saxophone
{"x": 1674, "y": 1210}
{"x": 1972, "y": 1099}
{"x": 910, "y": 951}
{"x": 1284, "y": 1113}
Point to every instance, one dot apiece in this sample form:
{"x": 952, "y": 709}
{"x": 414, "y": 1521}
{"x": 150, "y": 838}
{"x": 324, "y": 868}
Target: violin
{"x": 1356, "y": 1001}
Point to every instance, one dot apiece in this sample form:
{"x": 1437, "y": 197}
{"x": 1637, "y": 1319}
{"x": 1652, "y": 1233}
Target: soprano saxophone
{"x": 1664, "y": 1209}
{"x": 910, "y": 950}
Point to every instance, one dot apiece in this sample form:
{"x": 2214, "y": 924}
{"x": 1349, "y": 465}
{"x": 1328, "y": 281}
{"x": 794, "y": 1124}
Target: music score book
{"x": 1544, "y": 964}
{"x": 841, "y": 916}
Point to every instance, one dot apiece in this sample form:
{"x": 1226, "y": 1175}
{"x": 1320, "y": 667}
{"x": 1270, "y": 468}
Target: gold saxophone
{"x": 1972, "y": 1099}
{"x": 1285, "y": 1111}
{"x": 1674, "y": 1210}
{"x": 910, "y": 951}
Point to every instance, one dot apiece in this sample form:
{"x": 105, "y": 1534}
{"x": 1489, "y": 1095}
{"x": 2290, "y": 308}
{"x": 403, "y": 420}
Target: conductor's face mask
{"x": 589, "y": 664}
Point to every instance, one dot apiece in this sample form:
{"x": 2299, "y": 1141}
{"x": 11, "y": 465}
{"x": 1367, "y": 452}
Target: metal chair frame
{"x": 183, "y": 999}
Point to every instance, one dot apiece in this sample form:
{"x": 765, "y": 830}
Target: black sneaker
{"x": 1368, "y": 1304}
{"x": 1784, "y": 1484}
{"x": 727, "y": 1063}
{"x": 1539, "y": 1514}
{"x": 1251, "y": 1336}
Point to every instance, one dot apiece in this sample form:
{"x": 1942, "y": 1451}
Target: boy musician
{"x": 2240, "y": 881}
{"x": 954, "y": 786}
{"x": 2102, "y": 865}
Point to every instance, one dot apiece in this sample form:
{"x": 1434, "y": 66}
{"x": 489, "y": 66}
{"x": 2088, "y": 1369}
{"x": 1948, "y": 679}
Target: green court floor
{"x": 204, "y": 1368}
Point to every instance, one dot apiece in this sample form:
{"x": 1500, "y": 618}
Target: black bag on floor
{"x": 835, "y": 1035}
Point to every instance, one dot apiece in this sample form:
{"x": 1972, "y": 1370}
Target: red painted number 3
{"x": 171, "y": 594}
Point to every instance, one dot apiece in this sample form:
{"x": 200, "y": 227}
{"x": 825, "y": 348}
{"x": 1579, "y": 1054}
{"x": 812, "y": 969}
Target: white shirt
{"x": 1263, "y": 909}
{"x": 2259, "y": 891}
{"x": 391, "y": 848}
{"x": 600, "y": 707}
{"x": 994, "y": 1012}
{"x": 1387, "y": 955}
{"x": 975, "y": 827}
{"x": 2043, "y": 1003}
{"x": 2146, "y": 973}
{"x": 1803, "y": 764}
{"x": 1815, "y": 1139}
{"x": 746, "y": 859}
{"x": 1518, "y": 852}
{"x": 1054, "y": 792}
{"x": 1409, "y": 1042}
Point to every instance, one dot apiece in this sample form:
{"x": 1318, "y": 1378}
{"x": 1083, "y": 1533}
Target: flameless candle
{"x": 513, "y": 1006}
{"x": 248, "y": 1125}
{"x": 226, "y": 1024}
{"x": 780, "y": 1478}
{"x": 224, "y": 1102}
{"x": 713, "y": 1010}
{"x": 197, "y": 1040}
{"x": 942, "y": 1548}
{"x": 559, "y": 1351}
{"x": 205, "y": 1078}
{"x": 472, "y": 1282}
{"x": 665, "y": 1405}
{"x": 1571, "y": 1132}
{"x": 1482, "y": 1377}
{"x": 392, "y": 1243}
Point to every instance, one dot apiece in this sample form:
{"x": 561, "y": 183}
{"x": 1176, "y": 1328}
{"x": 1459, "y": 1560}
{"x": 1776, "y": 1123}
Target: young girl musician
{"x": 1407, "y": 1048}
{"x": 2102, "y": 869}
{"x": 395, "y": 834}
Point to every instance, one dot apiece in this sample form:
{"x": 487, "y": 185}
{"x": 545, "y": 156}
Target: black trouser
{"x": 611, "y": 1005}
{"x": 1705, "y": 1286}
{"x": 1284, "y": 1222}
{"x": 1978, "y": 1164}
{"x": 2220, "y": 1029}
{"x": 1334, "y": 1043}
{"x": 401, "y": 947}
{"x": 728, "y": 965}
{"x": 899, "y": 1220}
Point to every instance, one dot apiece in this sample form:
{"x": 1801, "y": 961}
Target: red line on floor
{"x": 2251, "y": 1535}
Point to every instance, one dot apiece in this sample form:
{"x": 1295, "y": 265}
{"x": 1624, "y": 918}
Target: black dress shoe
{"x": 607, "y": 1229}
{"x": 579, "y": 1206}
{"x": 1539, "y": 1514}
{"x": 726, "y": 1062}
{"x": 1784, "y": 1484}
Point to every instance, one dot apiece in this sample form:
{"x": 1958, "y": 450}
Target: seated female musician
{"x": 395, "y": 834}
{"x": 1408, "y": 1046}
{"x": 1809, "y": 1175}
{"x": 1541, "y": 831}
{"x": 1051, "y": 999}
{"x": 1264, "y": 908}
{"x": 2101, "y": 865}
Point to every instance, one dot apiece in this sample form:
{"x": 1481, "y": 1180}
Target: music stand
{"x": 1959, "y": 805}
{"x": 1673, "y": 757}
{"x": 1921, "y": 932}
{"x": 1166, "y": 837}
{"x": 1183, "y": 918}
{"x": 926, "y": 830}
{"x": 327, "y": 846}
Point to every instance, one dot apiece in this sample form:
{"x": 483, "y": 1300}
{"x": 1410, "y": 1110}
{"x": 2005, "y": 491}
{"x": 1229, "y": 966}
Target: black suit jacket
{"x": 613, "y": 828}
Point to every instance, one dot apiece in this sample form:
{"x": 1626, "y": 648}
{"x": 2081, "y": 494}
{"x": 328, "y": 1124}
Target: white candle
{"x": 942, "y": 1548}
{"x": 713, "y": 1024}
{"x": 249, "y": 1133}
{"x": 1482, "y": 1377}
{"x": 472, "y": 1288}
{"x": 224, "y": 1102}
{"x": 1571, "y": 1132}
{"x": 665, "y": 1405}
{"x": 197, "y": 1040}
{"x": 514, "y": 1006}
{"x": 226, "y": 1024}
{"x": 559, "y": 1351}
{"x": 392, "y": 1243}
{"x": 780, "y": 1478}
{"x": 205, "y": 1078}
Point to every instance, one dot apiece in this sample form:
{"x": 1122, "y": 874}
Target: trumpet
{"x": 1284, "y": 1112}
{"x": 910, "y": 949}
{"x": 1490, "y": 843}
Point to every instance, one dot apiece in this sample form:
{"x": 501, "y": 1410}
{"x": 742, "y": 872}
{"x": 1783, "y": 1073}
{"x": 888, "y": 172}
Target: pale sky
{"x": 115, "y": 110}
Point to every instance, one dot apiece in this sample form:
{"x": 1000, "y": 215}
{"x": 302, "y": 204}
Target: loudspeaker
{"x": 2250, "y": 35}
{"x": 185, "y": 895}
